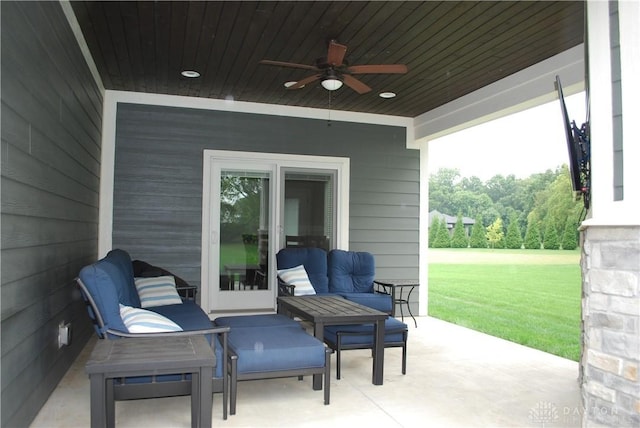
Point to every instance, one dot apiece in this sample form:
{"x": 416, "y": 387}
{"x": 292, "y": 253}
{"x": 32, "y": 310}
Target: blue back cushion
{"x": 314, "y": 261}
{"x": 126, "y": 285}
{"x": 350, "y": 271}
{"x": 100, "y": 279}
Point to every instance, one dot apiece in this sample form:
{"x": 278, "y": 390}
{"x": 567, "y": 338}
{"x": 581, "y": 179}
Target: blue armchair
{"x": 351, "y": 276}
{"x": 348, "y": 274}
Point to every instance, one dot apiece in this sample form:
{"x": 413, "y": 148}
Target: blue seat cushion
{"x": 393, "y": 333}
{"x": 378, "y": 301}
{"x": 187, "y": 315}
{"x": 266, "y": 320}
{"x": 262, "y": 350}
{"x": 314, "y": 261}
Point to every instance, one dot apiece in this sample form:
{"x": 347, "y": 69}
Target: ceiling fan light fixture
{"x": 192, "y": 74}
{"x": 387, "y": 94}
{"x": 331, "y": 83}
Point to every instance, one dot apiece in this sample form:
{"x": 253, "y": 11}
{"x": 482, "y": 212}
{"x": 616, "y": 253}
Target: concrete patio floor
{"x": 455, "y": 377}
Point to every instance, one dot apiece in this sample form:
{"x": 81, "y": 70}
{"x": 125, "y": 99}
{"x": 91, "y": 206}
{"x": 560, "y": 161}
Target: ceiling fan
{"x": 333, "y": 70}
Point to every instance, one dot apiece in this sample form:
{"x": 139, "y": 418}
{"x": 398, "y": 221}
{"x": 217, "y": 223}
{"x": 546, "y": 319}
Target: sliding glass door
{"x": 253, "y": 205}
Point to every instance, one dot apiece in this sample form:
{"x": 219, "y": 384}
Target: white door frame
{"x": 210, "y": 238}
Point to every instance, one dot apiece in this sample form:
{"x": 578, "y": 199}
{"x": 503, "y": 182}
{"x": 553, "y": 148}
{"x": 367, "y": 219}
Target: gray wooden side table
{"x": 151, "y": 356}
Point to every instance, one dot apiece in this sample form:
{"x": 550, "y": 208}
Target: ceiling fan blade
{"x": 335, "y": 54}
{"x": 378, "y": 69}
{"x": 355, "y": 84}
{"x": 287, "y": 64}
{"x": 300, "y": 83}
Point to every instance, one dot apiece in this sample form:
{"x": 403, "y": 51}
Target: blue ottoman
{"x": 360, "y": 336}
{"x": 273, "y": 352}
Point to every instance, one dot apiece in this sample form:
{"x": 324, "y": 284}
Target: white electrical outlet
{"x": 64, "y": 334}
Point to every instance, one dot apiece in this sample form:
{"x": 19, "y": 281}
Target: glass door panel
{"x": 309, "y": 214}
{"x": 244, "y": 230}
{"x": 241, "y": 223}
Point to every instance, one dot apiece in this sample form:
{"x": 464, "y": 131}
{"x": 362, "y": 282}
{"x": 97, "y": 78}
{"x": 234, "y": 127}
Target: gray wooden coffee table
{"x": 151, "y": 356}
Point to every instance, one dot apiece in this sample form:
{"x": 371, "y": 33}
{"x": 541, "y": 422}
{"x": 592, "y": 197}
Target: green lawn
{"x": 509, "y": 295}
{"x": 232, "y": 254}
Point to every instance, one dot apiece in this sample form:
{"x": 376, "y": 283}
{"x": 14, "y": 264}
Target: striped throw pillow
{"x": 297, "y": 276}
{"x": 157, "y": 291}
{"x": 143, "y": 321}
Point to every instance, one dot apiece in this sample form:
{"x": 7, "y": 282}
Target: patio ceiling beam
{"x": 528, "y": 88}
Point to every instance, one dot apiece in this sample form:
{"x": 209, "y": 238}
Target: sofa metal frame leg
{"x": 327, "y": 375}
{"x": 404, "y": 352}
{"x": 338, "y": 349}
{"x": 225, "y": 378}
{"x": 233, "y": 385}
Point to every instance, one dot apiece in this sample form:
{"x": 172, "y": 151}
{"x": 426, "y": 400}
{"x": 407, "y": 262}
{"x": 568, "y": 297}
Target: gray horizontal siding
{"x": 51, "y": 130}
{"x": 158, "y": 180}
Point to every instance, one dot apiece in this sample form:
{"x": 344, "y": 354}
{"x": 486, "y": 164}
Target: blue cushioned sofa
{"x": 348, "y": 274}
{"x": 109, "y": 283}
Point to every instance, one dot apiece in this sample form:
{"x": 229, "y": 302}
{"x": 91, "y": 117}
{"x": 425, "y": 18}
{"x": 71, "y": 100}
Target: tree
{"x": 533, "y": 185}
{"x": 499, "y": 187}
{"x": 551, "y": 237}
{"x": 442, "y": 185}
{"x": 547, "y": 195}
{"x": 442, "y": 238}
{"x": 570, "y": 235}
{"x": 532, "y": 236}
{"x": 556, "y": 202}
{"x": 471, "y": 204}
{"x": 478, "y": 238}
{"x": 495, "y": 235}
{"x": 514, "y": 237}
{"x": 433, "y": 230}
{"x": 473, "y": 184}
{"x": 459, "y": 239}
{"x": 240, "y": 199}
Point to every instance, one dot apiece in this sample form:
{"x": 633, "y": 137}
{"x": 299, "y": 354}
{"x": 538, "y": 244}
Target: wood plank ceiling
{"x": 451, "y": 48}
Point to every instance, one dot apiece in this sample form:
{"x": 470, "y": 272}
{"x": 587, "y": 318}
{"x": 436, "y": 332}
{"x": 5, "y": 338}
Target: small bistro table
{"x": 112, "y": 359}
{"x": 329, "y": 310}
{"x": 397, "y": 297}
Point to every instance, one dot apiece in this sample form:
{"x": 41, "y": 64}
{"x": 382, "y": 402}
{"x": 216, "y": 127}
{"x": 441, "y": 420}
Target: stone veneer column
{"x": 611, "y": 326}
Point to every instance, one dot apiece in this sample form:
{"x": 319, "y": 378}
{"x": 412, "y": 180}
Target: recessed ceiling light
{"x": 387, "y": 94}
{"x": 190, "y": 73}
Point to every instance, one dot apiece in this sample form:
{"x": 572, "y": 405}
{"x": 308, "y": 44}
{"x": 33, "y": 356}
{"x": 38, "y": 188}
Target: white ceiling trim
{"x": 82, "y": 43}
